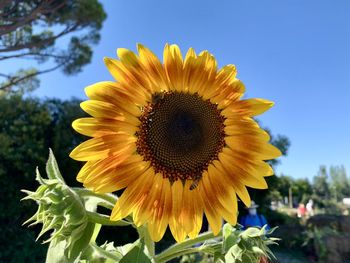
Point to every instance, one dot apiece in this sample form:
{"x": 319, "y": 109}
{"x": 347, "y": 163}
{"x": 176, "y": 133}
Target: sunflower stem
{"x": 143, "y": 233}
{"x": 178, "y": 253}
{"x": 178, "y": 249}
{"x": 104, "y": 220}
{"x": 109, "y": 198}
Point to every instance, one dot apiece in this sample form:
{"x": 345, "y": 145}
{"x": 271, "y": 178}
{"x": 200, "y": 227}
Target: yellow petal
{"x": 224, "y": 194}
{"x": 118, "y": 176}
{"x": 97, "y": 127}
{"x": 104, "y": 146}
{"x": 197, "y": 215}
{"x": 132, "y": 195}
{"x": 176, "y": 220}
{"x": 246, "y": 133}
{"x": 143, "y": 211}
{"x": 239, "y": 187}
{"x": 128, "y": 78}
{"x": 160, "y": 212}
{"x": 249, "y": 107}
{"x": 260, "y": 148}
{"x": 173, "y": 65}
{"x": 111, "y": 92}
{"x": 214, "y": 218}
{"x": 154, "y": 69}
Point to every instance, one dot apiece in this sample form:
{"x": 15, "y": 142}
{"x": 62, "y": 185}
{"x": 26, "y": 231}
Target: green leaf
{"x": 136, "y": 254}
{"x": 258, "y": 250}
{"x": 251, "y": 232}
{"x": 235, "y": 253}
{"x": 227, "y": 230}
{"x": 125, "y": 249}
{"x": 230, "y": 237}
{"x": 83, "y": 241}
{"x": 52, "y": 168}
{"x": 55, "y": 252}
{"x": 218, "y": 257}
{"x": 96, "y": 254}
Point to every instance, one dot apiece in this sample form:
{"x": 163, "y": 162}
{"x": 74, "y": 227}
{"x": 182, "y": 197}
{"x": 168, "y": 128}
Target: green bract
{"x": 60, "y": 209}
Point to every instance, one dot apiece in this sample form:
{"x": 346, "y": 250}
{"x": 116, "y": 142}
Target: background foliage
{"x": 31, "y": 30}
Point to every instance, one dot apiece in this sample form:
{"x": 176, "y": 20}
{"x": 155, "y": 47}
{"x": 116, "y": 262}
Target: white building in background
{"x": 346, "y": 201}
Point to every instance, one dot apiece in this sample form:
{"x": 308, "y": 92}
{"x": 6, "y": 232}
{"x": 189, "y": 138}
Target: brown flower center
{"x": 180, "y": 134}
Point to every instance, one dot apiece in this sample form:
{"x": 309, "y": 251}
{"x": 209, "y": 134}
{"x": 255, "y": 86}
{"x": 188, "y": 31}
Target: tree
{"x": 321, "y": 186}
{"x": 302, "y": 190}
{"x": 31, "y": 29}
{"x": 339, "y": 184}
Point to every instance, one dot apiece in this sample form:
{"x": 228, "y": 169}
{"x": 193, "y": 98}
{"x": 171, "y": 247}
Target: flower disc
{"x": 180, "y": 134}
{"x": 176, "y": 137}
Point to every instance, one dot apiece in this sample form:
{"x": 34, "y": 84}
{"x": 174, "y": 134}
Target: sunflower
{"x": 177, "y": 137}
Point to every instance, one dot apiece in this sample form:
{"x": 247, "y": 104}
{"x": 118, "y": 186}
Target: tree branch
{"x": 15, "y": 80}
{"x": 25, "y": 55}
{"x": 49, "y": 40}
{"x": 5, "y": 76}
{"x": 43, "y": 8}
{"x": 5, "y": 29}
{"x": 5, "y": 3}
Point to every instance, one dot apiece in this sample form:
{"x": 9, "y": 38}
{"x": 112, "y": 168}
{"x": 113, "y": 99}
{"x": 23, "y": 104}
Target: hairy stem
{"x": 104, "y": 220}
{"x": 173, "y": 251}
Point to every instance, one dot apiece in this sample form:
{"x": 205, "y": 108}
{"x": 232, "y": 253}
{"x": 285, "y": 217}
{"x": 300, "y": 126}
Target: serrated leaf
{"x": 52, "y": 169}
{"x": 136, "y": 254}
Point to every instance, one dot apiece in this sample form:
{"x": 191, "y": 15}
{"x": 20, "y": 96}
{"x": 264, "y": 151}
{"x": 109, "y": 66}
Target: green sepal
{"x": 80, "y": 244}
{"x": 52, "y": 169}
{"x": 136, "y": 253}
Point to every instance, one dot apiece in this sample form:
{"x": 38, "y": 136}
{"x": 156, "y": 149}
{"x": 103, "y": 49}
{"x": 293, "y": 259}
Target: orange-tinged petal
{"x": 246, "y": 133}
{"x": 249, "y": 107}
{"x": 198, "y": 214}
{"x": 143, "y": 211}
{"x": 127, "y": 79}
{"x": 238, "y": 186}
{"x": 102, "y": 147}
{"x": 99, "y": 127}
{"x": 105, "y": 110}
{"x": 221, "y": 198}
{"x": 132, "y": 195}
{"x": 176, "y": 222}
{"x": 208, "y": 198}
{"x": 161, "y": 213}
{"x": 173, "y": 65}
{"x": 259, "y": 148}
{"x": 113, "y": 93}
{"x": 154, "y": 68}
{"x": 107, "y": 177}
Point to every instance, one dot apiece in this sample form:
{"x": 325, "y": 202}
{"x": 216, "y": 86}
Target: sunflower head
{"x": 177, "y": 136}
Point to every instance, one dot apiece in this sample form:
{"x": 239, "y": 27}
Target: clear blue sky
{"x": 294, "y": 52}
